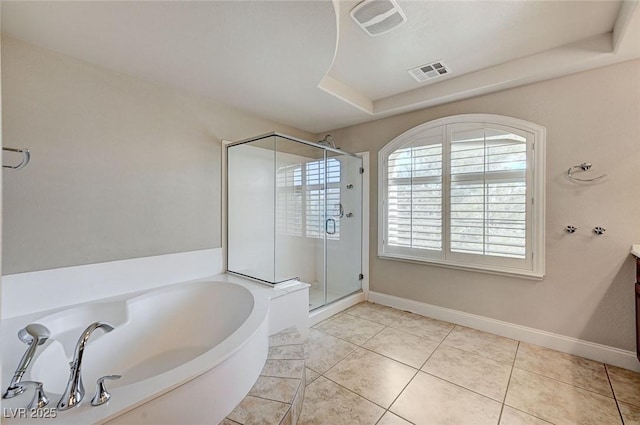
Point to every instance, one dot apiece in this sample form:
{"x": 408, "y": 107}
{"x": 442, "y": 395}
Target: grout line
{"x": 359, "y": 395}
{"x": 460, "y": 386}
{"x": 506, "y": 390}
{"x": 529, "y": 414}
{"x": 436, "y": 349}
{"x": 400, "y": 393}
{"x": 565, "y": 383}
{"x": 606, "y": 369}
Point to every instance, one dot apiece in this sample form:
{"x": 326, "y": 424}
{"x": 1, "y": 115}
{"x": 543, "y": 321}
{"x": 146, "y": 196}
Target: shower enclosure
{"x": 294, "y": 211}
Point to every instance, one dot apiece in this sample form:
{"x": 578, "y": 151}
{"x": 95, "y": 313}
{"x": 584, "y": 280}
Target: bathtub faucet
{"x": 33, "y": 335}
{"x": 75, "y": 389}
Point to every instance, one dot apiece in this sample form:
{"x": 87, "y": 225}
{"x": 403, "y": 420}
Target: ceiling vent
{"x": 377, "y": 17}
{"x": 429, "y": 71}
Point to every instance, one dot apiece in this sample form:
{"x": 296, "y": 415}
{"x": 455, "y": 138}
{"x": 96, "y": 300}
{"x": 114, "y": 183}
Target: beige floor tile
{"x": 630, "y": 413}
{"x": 322, "y": 351}
{"x": 428, "y": 400}
{"x": 258, "y": 411}
{"x": 402, "y": 346}
{"x": 421, "y": 326}
{"x": 327, "y": 403}
{"x": 485, "y": 344}
{"x": 564, "y": 367}
{"x": 350, "y": 328}
{"x": 311, "y": 375}
{"x": 391, "y": 419}
{"x": 511, "y": 416}
{"x": 226, "y": 421}
{"x": 375, "y": 312}
{"x": 372, "y": 376}
{"x": 283, "y": 368}
{"x": 558, "y": 402}
{"x": 278, "y": 389}
{"x": 472, "y": 371}
{"x": 286, "y": 352}
{"x": 286, "y": 337}
{"x": 626, "y": 384}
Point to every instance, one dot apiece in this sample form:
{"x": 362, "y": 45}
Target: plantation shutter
{"x": 414, "y": 195}
{"x": 316, "y": 192}
{"x": 488, "y": 193}
{"x": 289, "y": 200}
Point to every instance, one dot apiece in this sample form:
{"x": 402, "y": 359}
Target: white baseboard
{"x": 322, "y": 313}
{"x": 72, "y": 285}
{"x": 602, "y": 353}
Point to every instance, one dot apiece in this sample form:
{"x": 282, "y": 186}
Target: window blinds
{"x": 488, "y": 193}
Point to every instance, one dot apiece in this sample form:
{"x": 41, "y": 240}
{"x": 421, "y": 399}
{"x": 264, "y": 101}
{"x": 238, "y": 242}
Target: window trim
{"x": 537, "y": 194}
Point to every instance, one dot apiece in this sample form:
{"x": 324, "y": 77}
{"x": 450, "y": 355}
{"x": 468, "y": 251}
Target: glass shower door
{"x": 343, "y": 226}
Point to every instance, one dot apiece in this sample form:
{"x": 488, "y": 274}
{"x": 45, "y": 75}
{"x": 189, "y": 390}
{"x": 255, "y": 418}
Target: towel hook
{"x": 585, "y": 166}
{"x": 26, "y": 157}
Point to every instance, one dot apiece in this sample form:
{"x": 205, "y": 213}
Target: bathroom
{"x": 130, "y": 121}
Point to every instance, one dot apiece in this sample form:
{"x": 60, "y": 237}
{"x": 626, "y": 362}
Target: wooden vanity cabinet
{"x": 637, "y": 307}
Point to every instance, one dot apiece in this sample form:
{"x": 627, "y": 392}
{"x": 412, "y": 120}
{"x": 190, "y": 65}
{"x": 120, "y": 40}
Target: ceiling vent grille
{"x": 429, "y": 71}
{"x": 377, "y": 17}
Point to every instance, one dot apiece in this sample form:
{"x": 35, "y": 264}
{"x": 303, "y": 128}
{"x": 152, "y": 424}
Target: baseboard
{"x": 322, "y": 313}
{"x": 598, "y": 352}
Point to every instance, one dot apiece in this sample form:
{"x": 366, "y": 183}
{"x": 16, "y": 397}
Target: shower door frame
{"x": 328, "y": 309}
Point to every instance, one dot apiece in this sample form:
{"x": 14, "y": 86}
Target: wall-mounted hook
{"x": 599, "y": 230}
{"x": 570, "y": 229}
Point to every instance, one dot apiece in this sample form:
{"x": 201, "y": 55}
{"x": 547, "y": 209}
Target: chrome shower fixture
{"x": 328, "y": 141}
{"x": 33, "y": 335}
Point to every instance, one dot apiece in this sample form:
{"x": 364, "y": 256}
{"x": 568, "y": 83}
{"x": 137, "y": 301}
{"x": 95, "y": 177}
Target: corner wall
{"x": 121, "y": 167}
{"x": 588, "y": 290}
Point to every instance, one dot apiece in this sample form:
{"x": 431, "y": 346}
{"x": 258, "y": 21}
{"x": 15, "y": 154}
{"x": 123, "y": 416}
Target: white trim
{"x": 536, "y": 151}
{"x": 590, "y": 350}
{"x": 323, "y": 313}
{"x": 223, "y": 205}
{"x": 78, "y": 284}
{"x": 366, "y": 207}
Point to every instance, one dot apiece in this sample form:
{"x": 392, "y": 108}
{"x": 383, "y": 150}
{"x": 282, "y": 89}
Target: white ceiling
{"x": 308, "y": 65}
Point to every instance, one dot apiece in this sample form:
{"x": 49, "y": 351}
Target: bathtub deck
{"x": 277, "y": 396}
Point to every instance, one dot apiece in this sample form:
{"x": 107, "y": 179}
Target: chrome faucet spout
{"x": 75, "y": 389}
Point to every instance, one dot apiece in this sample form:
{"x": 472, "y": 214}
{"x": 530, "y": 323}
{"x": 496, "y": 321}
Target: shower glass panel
{"x": 344, "y": 225}
{"x": 299, "y": 211}
{"x": 250, "y": 218}
{"x": 295, "y": 212}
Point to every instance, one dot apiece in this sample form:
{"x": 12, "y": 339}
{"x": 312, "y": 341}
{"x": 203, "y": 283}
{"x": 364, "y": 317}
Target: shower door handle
{"x": 333, "y": 226}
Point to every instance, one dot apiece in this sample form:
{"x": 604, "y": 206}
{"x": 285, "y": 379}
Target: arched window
{"x": 466, "y": 191}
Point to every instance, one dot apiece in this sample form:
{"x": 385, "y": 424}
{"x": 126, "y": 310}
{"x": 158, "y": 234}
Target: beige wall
{"x": 588, "y": 290}
{"x": 121, "y": 168}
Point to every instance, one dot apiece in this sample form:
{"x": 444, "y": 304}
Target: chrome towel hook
{"x": 585, "y": 166}
{"x": 26, "y": 157}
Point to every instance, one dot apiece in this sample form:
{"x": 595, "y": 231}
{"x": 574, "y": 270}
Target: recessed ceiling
{"x": 307, "y": 63}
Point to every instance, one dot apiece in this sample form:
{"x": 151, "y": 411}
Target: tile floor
{"x": 374, "y": 365}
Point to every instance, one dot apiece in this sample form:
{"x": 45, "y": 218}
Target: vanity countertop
{"x": 635, "y": 250}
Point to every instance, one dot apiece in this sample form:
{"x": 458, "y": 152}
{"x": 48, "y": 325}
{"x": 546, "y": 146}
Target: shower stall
{"x": 294, "y": 212}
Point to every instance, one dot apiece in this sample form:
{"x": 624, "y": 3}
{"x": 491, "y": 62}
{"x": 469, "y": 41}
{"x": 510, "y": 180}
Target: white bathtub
{"x": 187, "y": 354}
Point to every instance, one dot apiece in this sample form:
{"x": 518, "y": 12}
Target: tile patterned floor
{"x": 374, "y": 365}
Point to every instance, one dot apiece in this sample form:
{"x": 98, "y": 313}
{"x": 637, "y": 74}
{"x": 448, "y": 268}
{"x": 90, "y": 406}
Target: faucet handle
{"x": 102, "y": 395}
{"x": 40, "y": 398}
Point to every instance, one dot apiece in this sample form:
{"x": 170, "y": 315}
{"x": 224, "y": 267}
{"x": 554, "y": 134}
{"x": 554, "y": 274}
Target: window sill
{"x": 480, "y": 268}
